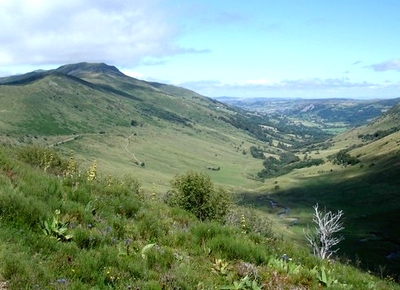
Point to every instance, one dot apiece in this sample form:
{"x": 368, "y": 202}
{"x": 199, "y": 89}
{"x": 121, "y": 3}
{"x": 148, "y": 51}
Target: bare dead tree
{"x": 322, "y": 238}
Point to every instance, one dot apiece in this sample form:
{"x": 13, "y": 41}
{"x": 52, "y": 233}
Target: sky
{"x": 244, "y": 49}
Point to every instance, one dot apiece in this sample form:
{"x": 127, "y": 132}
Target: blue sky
{"x": 286, "y": 48}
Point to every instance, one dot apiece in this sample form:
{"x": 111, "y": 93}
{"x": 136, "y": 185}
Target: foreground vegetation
{"x": 67, "y": 227}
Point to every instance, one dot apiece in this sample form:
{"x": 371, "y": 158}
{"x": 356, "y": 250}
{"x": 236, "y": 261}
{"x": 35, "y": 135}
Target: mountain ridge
{"x": 84, "y": 67}
{"x": 75, "y": 70}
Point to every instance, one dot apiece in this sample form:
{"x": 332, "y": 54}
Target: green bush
{"x": 43, "y": 158}
{"x": 257, "y": 152}
{"x": 151, "y": 227}
{"x": 343, "y": 158}
{"x": 196, "y": 193}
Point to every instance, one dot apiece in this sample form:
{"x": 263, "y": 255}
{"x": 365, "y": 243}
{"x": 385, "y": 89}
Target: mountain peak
{"x": 85, "y": 67}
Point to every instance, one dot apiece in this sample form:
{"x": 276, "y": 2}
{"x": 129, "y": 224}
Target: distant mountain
{"x": 348, "y": 112}
{"x": 73, "y": 97}
{"x": 80, "y": 69}
{"x": 76, "y": 70}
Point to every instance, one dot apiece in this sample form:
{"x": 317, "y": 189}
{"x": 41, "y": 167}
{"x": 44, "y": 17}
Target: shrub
{"x": 208, "y": 230}
{"x": 343, "y": 158}
{"x": 43, "y": 158}
{"x": 127, "y": 186}
{"x": 196, "y": 193}
{"x": 151, "y": 227}
{"x": 257, "y": 152}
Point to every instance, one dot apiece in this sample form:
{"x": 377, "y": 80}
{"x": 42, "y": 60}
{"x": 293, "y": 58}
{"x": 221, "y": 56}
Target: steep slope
{"x": 63, "y": 230}
{"x": 100, "y": 113}
{"x": 88, "y": 91}
{"x": 59, "y": 104}
{"x": 389, "y": 121}
{"x": 367, "y": 191}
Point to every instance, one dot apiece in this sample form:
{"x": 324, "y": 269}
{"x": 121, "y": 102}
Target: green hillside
{"x": 65, "y": 226}
{"x": 141, "y": 135}
{"x": 119, "y": 120}
{"x": 367, "y": 191}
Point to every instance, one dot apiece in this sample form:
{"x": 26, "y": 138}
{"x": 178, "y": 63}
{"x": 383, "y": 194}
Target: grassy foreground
{"x": 67, "y": 227}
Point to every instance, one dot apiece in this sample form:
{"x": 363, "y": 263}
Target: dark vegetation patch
{"x": 287, "y": 162}
{"x": 378, "y": 134}
{"x": 343, "y": 158}
{"x": 370, "y": 203}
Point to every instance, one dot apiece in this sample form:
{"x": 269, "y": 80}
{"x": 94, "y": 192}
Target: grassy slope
{"x": 123, "y": 239}
{"x": 174, "y": 133}
{"x": 168, "y": 153}
{"x": 367, "y": 192}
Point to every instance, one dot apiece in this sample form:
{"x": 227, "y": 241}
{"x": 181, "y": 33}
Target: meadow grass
{"x": 167, "y": 154}
{"x": 122, "y": 238}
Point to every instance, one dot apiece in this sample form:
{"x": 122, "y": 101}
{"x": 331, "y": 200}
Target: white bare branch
{"x": 321, "y": 237}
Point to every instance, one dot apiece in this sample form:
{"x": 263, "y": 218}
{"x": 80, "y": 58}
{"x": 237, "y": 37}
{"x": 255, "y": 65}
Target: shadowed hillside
{"x": 361, "y": 176}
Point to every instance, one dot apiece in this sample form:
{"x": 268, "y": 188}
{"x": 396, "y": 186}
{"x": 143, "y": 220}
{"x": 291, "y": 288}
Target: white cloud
{"x": 133, "y": 74}
{"x": 58, "y": 31}
{"x": 393, "y": 64}
{"x": 305, "y": 88}
{"x": 258, "y": 82}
